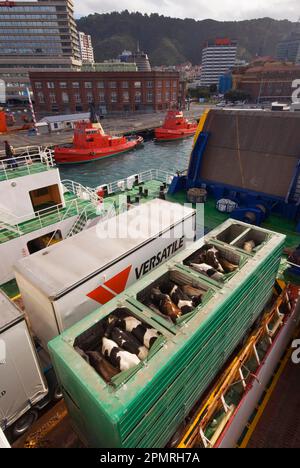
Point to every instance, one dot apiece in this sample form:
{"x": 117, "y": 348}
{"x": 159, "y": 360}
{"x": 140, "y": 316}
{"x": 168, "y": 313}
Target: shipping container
{"x": 144, "y": 407}
{"x": 62, "y": 284}
{"x": 22, "y": 383}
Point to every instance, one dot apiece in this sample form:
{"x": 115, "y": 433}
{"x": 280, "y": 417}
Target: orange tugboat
{"x": 90, "y": 143}
{"x": 175, "y": 127}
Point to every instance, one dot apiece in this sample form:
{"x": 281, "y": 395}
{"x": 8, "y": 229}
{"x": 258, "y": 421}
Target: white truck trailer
{"x": 22, "y": 383}
{"x": 64, "y": 283}
{"x": 3, "y": 440}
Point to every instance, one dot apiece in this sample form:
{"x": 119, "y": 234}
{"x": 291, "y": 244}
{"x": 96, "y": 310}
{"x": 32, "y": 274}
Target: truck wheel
{"x": 57, "y": 394}
{"x": 24, "y": 423}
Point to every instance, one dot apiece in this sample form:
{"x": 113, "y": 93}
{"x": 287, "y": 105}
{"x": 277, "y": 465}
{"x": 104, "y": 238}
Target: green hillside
{"x": 171, "y": 41}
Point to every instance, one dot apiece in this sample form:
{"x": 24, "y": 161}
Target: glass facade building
{"x": 36, "y": 35}
{"x": 289, "y": 48}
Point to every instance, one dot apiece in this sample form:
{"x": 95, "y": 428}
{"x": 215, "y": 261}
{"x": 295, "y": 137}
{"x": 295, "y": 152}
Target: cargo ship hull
{"x": 227, "y": 417}
{"x": 260, "y": 381}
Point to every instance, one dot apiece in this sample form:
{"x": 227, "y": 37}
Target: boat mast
{"x": 94, "y": 119}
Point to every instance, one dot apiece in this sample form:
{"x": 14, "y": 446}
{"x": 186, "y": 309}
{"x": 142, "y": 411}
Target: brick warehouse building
{"x": 110, "y": 91}
{"x": 268, "y": 82}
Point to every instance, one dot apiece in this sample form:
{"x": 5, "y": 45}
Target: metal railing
{"x": 11, "y": 222}
{"x": 237, "y": 373}
{"x": 66, "y": 215}
{"x": 105, "y": 215}
{"x": 81, "y": 220}
{"x": 24, "y": 151}
{"x": 85, "y": 193}
{"x": 56, "y": 213}
{"x": 12, "y": 229}
{"x": 127, "y": 183}
{"x": 118, "y": 186}
{"x": 24, "y": 162}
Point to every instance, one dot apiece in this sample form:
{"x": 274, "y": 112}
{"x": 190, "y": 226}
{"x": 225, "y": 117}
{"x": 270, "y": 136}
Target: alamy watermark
{"x": 296, "y": 353}
{"x": 2, "y": 352}
{"x": 148, "y": 220}
{"x": 296, "y": 92}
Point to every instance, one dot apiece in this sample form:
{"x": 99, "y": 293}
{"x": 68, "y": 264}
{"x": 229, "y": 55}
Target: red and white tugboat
{"x": 175, "y": 127}
{"x": 90, "y": 143}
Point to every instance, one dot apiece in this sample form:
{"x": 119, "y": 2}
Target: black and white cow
{"x": 212, "y": 258}
{"x": 165, "y": 304}
{"x": 180, "y": 299}
{"x": 208, "y": 271}
{"x": 128, "y": 342}
{"x": 146, "y": 336}
{"x": 119, "y": 358}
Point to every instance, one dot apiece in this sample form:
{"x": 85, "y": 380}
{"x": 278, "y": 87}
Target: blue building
{"x": 225, "y": 83}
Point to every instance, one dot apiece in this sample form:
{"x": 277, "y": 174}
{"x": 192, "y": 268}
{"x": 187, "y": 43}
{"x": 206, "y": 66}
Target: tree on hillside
{"x": 170, "y": 40}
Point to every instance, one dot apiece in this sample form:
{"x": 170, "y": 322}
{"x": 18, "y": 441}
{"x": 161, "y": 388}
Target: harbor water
{"x": 168, "y": 156}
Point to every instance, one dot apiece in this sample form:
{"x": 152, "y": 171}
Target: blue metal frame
{"x": 240, "y": 215}
{"x": 246, "y": 199}
{"x": 192, "y": 179}
{"x": 196, "y": 159}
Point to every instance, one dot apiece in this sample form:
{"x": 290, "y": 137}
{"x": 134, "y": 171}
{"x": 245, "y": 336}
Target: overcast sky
{"x": 197, "y": 9}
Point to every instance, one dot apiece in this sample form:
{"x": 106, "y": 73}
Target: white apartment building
{"x": 86, "y": 48}
{"x": 217, "y": 58}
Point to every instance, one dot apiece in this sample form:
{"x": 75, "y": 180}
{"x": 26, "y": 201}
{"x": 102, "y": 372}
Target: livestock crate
{"x": 139, "y": 294}
{"x": 237, "y": 233}
{"x": 145, "y": 406}
{"x": 227, "y": 253}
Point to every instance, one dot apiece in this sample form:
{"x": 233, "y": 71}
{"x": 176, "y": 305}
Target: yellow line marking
{"x": 226, "y": 379}
{"x": 201, "y": 124}
{"x": 16, "y": 297}
{"x": 263, "y": 405}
